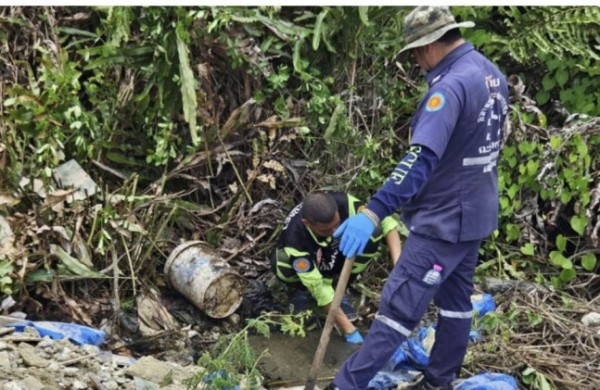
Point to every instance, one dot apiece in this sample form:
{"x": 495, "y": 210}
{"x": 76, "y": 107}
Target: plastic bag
{"x": 218, "y": 378}
{"x": 483, "y": 303}
{"x": 488, "y": 381}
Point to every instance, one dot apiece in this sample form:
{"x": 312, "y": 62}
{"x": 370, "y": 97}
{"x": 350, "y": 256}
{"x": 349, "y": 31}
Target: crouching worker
{"x": 309, "y": 261}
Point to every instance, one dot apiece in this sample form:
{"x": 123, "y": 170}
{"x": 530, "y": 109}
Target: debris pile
{"x": 30, "y": 362}
{"x": 542, "y": 332}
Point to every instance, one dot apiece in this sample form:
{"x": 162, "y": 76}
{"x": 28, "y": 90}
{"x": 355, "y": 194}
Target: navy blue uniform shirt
{"x": 460, "y": 119}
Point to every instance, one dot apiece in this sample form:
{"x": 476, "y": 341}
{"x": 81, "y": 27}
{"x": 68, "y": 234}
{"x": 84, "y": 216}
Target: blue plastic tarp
{"x": 386, "y": 380}
{"x": 488, "y": 381}
{"x": 79, "y": 334}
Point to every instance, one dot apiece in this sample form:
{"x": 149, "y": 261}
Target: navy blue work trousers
{"x": 404, "y": 301}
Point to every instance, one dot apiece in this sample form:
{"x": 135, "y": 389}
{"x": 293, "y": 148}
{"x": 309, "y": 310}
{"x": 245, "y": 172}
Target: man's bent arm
{"x": 341, "y": 320}
{"x": 405, "y": 181}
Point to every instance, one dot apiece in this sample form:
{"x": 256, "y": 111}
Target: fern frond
{"x": 556, "y": 30}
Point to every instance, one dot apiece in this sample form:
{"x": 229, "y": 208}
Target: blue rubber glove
{"x": 354, "y": 337}
{"x": 357, "y": 231}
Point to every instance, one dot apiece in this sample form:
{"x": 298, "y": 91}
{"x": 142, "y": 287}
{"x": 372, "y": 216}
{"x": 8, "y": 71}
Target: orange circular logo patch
{"x": 436, "y": 102}
{"x": 301, "y": 265}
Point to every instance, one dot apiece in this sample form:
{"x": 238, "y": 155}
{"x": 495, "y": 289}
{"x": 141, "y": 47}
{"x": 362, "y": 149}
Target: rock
{"x": 61, "y": 344}
{"x": 591, "y": 319}
{"x": 79, "y": 385}
{"x": 30, "y": 331}
{"x": 119, "y": 373}
{"x": 111, "y": 385}
{"x": 71, "y": 371}
{"x": 90, "y": 349}
{"x": 54, "y": 367}
{"x": 95, "y": 367}
{"x": 70, "y": 174}
{"x": 32, "y": 383}
{"x": 47, "y": 344}
{"x": 141, "y": 384}
{"x": 4, "y": 359}
{"x": 234, "y": 319}
{"x": 62, "y": 357}
{"x": 44, "y": 354}
{"x": 14, "y": 386}
{"x": 30, "y": 358}
{"x": 4, "y": 346}
{"x": 150, "y": 369}
{"x": 122, "y": 361}
{"x": 66, "y": 350}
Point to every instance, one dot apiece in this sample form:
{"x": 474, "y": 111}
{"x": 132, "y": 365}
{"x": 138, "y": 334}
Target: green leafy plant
{"x": 536, "y": 380}
{"x": 234, "y": 357}
{"x": 558, "y": 44}
{"x": 6, "y": 282}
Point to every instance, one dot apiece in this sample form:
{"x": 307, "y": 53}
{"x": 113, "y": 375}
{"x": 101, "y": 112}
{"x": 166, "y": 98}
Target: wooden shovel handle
{"x": 335, "y": 305}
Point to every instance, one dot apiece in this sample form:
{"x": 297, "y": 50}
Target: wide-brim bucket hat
{"x": 426, "y": 24}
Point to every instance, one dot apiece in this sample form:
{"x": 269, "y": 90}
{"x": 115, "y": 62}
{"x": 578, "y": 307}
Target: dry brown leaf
{"x": 273, "y": 122}
{"x": 275, "y": 165}
{"x": 122, "y": 231}
{"x": 58, "y": 196}
{"x": 204, "y": 70}
{"x": 238, "y": 118}
{"x": 77, "y": 17}
{"x": 7, "y": 239}
{"x": 267, "y": 178}
{"x": 269, "y": 122}
{"x": 288, "y": 137}
{"x": 77, "y": 312}
{"x": 8, "y": 200}
{"x": 153, "y": 316}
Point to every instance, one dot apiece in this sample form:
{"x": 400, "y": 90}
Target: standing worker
{"x": 308, "y": 258}
{"x": 447, "y": 186}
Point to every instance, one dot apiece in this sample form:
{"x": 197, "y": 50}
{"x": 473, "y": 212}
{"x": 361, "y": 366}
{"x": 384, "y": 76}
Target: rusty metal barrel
{"x": 196, "y": 271}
